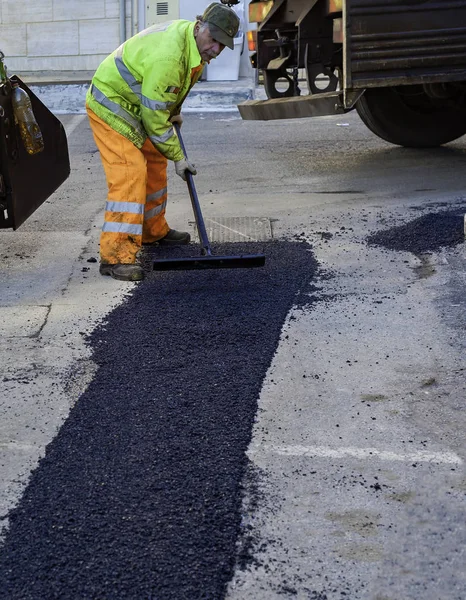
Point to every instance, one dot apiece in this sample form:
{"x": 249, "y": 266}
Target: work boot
{"x": 123, "y": 272}
{"x": 175, "y": 238}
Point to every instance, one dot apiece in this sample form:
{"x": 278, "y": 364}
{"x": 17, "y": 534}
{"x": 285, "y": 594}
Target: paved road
{"x": 293, "y": 432}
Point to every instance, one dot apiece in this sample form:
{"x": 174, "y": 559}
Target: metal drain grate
{"x": 237, "y": 229}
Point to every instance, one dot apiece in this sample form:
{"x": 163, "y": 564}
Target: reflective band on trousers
{"x": 122, "y": 228}
{"x": 155, "y": 211}
{"x": 118, "y": 110}
{"x": 128, "y": 207}
{"x": 135, "y": 85}
{"x": 156, "y": 195}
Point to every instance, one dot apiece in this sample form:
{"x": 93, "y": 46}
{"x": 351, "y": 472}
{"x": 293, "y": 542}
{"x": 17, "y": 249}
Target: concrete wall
{"x": 75, "y": 35}
{"x": 60, "y": 35}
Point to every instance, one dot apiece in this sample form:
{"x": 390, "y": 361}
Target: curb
{"x": 69, "y": 98}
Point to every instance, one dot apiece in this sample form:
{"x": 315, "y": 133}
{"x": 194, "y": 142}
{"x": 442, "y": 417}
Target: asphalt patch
{"x": 425, "y": 234}
{"x": 139, "y": 495}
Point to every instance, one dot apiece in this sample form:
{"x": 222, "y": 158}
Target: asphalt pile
{"x": 425, "y": 234}
{"x": 139, "y": 494}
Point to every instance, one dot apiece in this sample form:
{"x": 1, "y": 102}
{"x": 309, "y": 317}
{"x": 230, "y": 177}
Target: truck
{"x": 27, "y": 180}
{"x": 401, "y": 64}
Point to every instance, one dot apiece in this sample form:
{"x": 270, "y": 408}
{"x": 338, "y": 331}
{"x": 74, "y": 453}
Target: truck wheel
{"x": 408, "y": 116}
{"x": 278, "y": 83}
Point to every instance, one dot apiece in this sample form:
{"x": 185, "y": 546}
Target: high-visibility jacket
{"x": 143, "y": 83}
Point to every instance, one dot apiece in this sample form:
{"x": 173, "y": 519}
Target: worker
{"x": 134, "y": 99}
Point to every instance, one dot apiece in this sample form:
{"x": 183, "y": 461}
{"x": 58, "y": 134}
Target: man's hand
{"x": 181, "y": 166}
{"x": 177, "y": 119}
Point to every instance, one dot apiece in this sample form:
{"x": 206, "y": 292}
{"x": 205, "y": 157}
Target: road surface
{"x": 293, "y": 431}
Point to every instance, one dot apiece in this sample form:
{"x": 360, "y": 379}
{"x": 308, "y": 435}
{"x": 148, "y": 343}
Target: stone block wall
{"x": 60, "y": 35}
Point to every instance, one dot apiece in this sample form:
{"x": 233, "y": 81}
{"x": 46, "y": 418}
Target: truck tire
{"x": 407, "y": 116}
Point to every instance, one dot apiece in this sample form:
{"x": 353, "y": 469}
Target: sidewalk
{"x": 63, "y": 92}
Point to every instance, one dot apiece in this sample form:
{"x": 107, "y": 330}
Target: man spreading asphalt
{"x": 135, "y": 97}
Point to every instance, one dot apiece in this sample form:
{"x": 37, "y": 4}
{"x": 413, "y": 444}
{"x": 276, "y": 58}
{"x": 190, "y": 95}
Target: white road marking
{"x": 229, "y": 228}
{"x": 17, "y": 446}
{"x": 361, "y": 453}
{"x": 73, "y": 123}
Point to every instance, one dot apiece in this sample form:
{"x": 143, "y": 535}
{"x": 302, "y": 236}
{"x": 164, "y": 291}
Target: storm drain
{"x": 237, "y": 229}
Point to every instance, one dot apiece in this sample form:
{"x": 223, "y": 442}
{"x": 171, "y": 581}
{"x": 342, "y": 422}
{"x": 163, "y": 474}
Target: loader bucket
{"x": 26, "y": 181}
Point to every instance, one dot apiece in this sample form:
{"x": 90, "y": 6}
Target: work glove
{"x": 177, "y": 119}
{"x": 181, "y": 166}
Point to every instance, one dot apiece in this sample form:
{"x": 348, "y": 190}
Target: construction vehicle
{"x": 29, "y": 173}
{"x": 400, "y": 63}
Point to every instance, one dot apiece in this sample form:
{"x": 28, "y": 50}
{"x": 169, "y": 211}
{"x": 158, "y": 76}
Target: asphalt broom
{"x": 206, "y": 260}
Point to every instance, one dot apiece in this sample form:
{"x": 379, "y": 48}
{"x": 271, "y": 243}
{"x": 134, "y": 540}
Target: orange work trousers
{"x": 137, "y": 193}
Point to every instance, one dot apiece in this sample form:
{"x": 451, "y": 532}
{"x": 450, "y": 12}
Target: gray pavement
{"x": 357, "y": 455}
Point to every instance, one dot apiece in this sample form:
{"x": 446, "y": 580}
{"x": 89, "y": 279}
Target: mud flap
{"x": 26, "y": 181}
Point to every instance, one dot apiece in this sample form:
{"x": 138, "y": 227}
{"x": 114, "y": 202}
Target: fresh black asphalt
{"x": 425, "y": 234}
{"x": 139, "y": 495}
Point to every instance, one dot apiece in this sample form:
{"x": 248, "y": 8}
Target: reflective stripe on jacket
{"x": 143, "y": 83}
